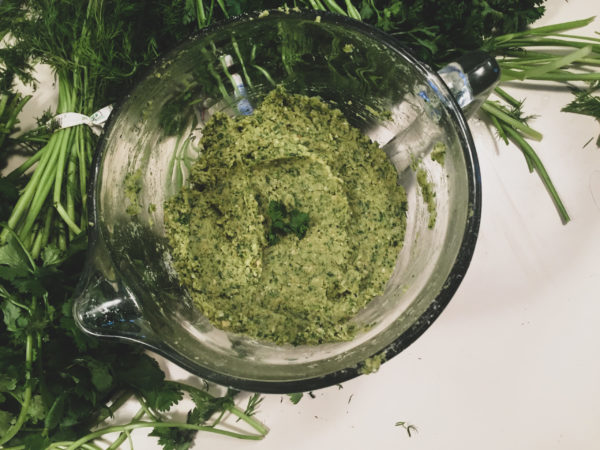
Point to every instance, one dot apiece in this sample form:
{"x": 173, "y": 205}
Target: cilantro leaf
{"x": 143, "y": 374}
{"x": 36, "y": 441}
{"x": 56, "y": 412}
{"x": 299, "y": 223}
{"x": 282, "y": 222}
{"x": 174, "y": 438}
{"x": 6, "y": 420}
{"x": 163, "y": 396}
{"x": 37, "y": 411}
{"x": 100, "y": 374}
{"x": 15, "y": 318}
{"x": 7, "y": 383}
{"x": 13, "y": 255}
{"x": 296, "y": 397}
{"x": 206, "y": 405}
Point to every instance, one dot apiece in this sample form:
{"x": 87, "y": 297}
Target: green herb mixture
{"x": 292, "y": 223}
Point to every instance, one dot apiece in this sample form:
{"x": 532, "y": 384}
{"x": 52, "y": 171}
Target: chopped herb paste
{"x": 290, "y": 225}
{"x": 428, "y": 194}
{"x": 133, "y": 186}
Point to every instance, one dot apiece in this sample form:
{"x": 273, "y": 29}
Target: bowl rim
{"x": 432, "y": 312}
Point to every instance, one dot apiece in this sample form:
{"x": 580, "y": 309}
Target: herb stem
{"x": 254, "y": 423}
{"x": 23, "y": 413}
{"x": 531, "y": 155}
{"x": 144, "y": 424}
{"x": 334, "y": 7}
{"x": 119, "y": 400}
{"x": 31, "y": 189}
{"x": 489, "y": 107}
{"x": 200, "y": 15}
{"x": 558, "y": 63}
{"x": 64, "y": 444}
{"x": 546, "y": 30}
{"x": 125, "y": 434}
{"x": 507, "y": 97}
{"x": 147, "y": 409}
{"x": 28, "y": 163}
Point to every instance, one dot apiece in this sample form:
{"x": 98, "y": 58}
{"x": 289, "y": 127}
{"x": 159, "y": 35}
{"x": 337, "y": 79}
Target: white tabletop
{"x": 514, "y": 360}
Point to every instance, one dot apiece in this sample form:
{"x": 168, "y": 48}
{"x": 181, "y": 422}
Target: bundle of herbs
{"x": 58, "y": 386}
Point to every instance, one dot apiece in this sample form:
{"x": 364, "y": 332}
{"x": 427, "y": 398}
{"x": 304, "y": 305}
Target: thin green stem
{"x": 547, "y": 42}
{"x": 253, "y": 422}
{"x": 60, "y": 171}
{"x": 26, "y": 165}
{"x": 83, "y": 169}
{"x": 499, "y": 128}
{"x": 147, "y": 409}
{"x": 558, "y": 76}
{"x": 557, "y": 63}
{"x": 236, "y": 48}
{"x": 200, "y": 15}
{"x": 541, "y": 170}
{"x": 64, "y": 444}
{"x": 546, "y": 30}
{"x": 489, "y": 107}
{"x": 223, "y": 8}
{"x": 507, "y": 97}
{"x": 23, "y": 413}
{"x": 65, "y": 216}
{"x": 352, "y": 11}
{"x": 583, "y": 38}
{"x": 334, "y": 7}
{"x": 143, "y": 424}
{"x": 316, "y": 5}
{"x": 124, "y": 435}
{"x": 70, "y": 188}
{"x": 32, "y": 190}
{"x": 265, "y": 74}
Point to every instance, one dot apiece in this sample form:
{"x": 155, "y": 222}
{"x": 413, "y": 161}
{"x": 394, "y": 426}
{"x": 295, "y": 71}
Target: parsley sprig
{"x": 282, "y": 222}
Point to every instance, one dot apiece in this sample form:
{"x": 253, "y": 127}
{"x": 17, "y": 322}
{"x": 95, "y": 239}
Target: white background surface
{"x": 514, "y": 360}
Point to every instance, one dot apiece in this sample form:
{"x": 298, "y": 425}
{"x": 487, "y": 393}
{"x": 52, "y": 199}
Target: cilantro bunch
{"x": 58, "y": 386}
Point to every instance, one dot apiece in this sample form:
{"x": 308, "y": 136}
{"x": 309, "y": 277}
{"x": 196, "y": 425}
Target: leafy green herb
{"x": 570, "y": 59}
{"x": 585, "y": 103}
{"x": 296, "y": 397}
{"x": 438, "y": 31}
{"x": 253, "y": 403}
{"x": 57, "y": 383}
{"x": 282, "y": 222}
{"x": 94, "y": 48}
{"x": 408, "y": 427}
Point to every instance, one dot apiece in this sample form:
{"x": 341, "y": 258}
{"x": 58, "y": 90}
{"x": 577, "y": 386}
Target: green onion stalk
{"x": 547, "y": 54}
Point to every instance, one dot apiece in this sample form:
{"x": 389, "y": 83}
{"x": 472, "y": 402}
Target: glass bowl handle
{"x": 471, "y": 79}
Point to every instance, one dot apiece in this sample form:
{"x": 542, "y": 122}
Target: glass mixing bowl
{"x": 129, "y": 290}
